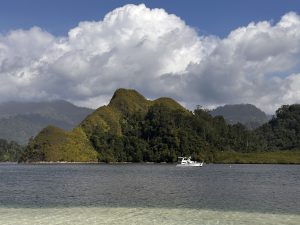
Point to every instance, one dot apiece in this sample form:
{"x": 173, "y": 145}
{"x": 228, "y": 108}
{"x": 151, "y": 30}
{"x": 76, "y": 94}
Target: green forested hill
{"x": 132, "y": 128}
{"x": 283, "y": 131}
{"x": 55, "y": 144}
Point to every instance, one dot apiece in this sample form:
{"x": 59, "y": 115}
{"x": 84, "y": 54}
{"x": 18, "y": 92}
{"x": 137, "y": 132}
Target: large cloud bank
{"x": 157, "y": 54}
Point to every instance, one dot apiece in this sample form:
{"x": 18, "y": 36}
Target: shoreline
{"x": 146, "y": 163}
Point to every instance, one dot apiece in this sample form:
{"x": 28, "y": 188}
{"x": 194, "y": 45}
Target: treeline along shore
{"x": 133, "y": 129}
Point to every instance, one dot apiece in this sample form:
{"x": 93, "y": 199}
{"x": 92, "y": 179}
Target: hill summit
{"x": 124, "y": 104}
{"x": 133, "y": 129}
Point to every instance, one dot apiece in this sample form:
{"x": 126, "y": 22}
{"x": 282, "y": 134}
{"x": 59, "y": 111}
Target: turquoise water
{"x": 149, "y": 194}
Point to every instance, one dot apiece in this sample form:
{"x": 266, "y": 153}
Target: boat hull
{"x": 190, "y": 165}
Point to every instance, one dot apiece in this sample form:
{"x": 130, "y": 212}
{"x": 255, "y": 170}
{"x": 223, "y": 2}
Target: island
{"x": 132, "y": 128}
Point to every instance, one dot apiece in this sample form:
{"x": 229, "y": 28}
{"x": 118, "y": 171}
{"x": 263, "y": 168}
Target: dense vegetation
{"x": 10, "y": 151}
{"x": 163, "y": 134}
{"x": 131, "y": 128}
{"x": 55, "y": 144}
{"x": 283, "y": 131}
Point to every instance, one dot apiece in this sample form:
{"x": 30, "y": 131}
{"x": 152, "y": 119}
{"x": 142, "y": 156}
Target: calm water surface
{"x": 149, "y": 194}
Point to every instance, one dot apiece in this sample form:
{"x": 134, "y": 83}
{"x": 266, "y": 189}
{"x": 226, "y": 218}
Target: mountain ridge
{"x": 246, "y": 114}
{"x": 19, "y": 121}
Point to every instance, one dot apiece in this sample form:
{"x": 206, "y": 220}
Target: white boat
{"x": 184, "y": 161}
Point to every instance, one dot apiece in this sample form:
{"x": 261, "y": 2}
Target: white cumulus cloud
{"x": 157, "y": 54}
{"x": 258, "y": 64}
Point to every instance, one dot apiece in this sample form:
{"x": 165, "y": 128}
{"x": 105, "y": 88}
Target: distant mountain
{"x": 246, "y": 114}
{"x": 19, "y": 121}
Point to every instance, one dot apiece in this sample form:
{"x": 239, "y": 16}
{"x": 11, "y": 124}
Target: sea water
{"x": 149, "y": 194}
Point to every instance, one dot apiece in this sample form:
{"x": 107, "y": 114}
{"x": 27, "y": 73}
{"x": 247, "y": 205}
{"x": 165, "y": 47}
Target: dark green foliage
{"x": 10, "y": 151}
{"x": 109, "y": 146}
{"x": 164, "y": 133}
{"x": 274, "y": 157}
{"x": 283, "y": 131}
{"x": 134, "y": 129}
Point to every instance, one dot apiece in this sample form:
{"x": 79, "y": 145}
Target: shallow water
{"x": 107, "y": 215}
{"x": 149, "y": 194}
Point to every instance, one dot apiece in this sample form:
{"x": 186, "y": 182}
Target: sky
{"x": 207, "y": 53}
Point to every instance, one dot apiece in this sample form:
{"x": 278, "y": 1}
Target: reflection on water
{"x": 140, "y": 216}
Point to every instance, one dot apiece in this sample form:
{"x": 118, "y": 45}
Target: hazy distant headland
{"x": 133, "y": 129}
{"x": 246, "y": 114}
{"x": 21, "y": 120}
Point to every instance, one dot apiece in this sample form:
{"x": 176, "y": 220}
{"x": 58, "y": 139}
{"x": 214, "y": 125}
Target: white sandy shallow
{"x": 102, "y": 215}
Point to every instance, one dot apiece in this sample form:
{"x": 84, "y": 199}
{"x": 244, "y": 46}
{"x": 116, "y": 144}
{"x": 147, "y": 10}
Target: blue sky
{"x": 208, "y": 52}
{"x": 217, "y": 17}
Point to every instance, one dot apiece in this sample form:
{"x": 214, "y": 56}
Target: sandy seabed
{"x": 140, "y": 216}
